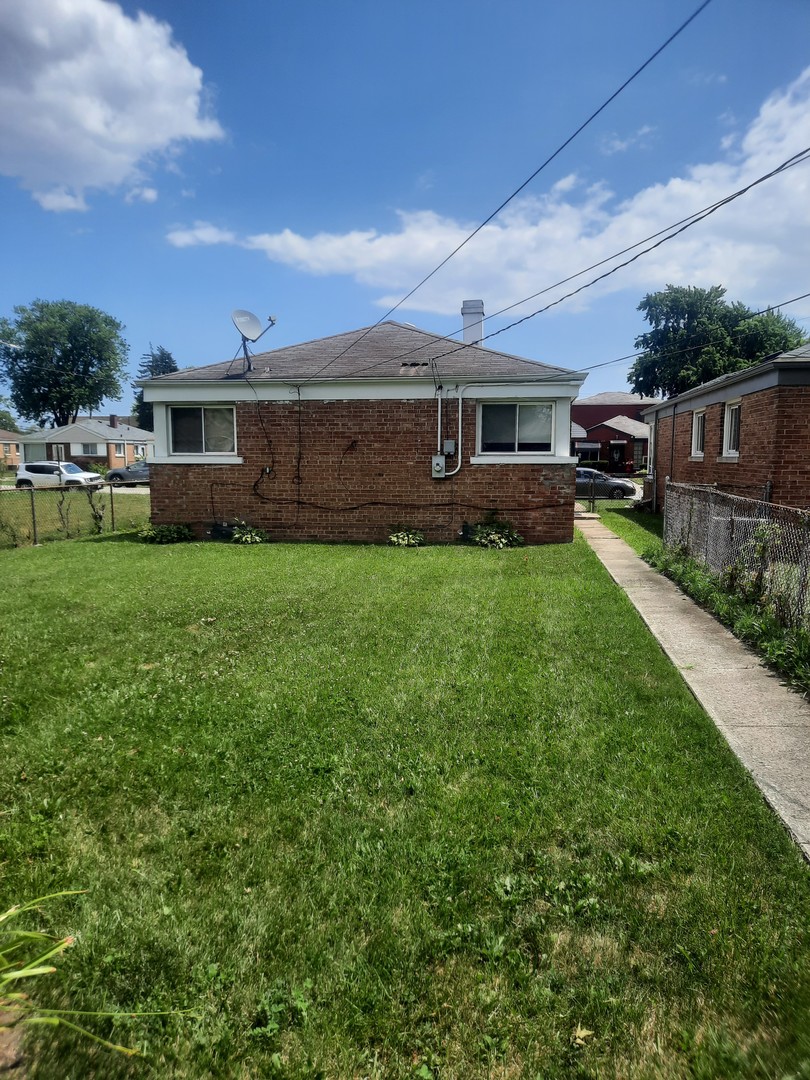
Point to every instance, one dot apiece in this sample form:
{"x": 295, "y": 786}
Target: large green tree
{"x": 697, "y": 335}
{"x": 60, "y": 358}
{"x": 158, "y": 361}
{"x": 8, "y": 421}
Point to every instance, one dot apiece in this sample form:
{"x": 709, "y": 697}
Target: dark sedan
{"x": 136, "y": 473}
{"x": 591, "y": 481}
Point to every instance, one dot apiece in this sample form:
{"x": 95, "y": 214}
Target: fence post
{"x": 666, "y": 499}
{"x": 766, "y": 495}
{"x": 33, "y": 518}
{"x": 112, "y": 510}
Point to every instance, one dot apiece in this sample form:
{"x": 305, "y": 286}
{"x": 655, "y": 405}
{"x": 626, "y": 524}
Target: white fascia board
{"x": 189, "y": 393}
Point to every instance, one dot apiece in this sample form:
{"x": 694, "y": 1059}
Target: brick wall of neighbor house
{"x": 774, "y": 446}
{"x": 361, "y": 469}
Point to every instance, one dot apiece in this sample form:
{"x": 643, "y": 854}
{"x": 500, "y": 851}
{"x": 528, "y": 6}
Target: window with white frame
{"x": 516, "y": 427}
{"x": 731, "y": 429}
{"x": 120, "y": 450}
{"x": 202, "y": 429}
{"x": 698, "y": 433}
{"x": 90, "y": 449}
{"x": 140, "y": 449}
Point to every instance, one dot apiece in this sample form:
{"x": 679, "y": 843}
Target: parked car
{"x": 136, "y": 473}
{"x": 42, "y": 474}
{"x": 604, "y": 486}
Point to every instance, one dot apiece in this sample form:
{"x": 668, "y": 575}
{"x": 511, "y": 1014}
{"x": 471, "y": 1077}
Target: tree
{"x": 7, "y": 419}
{"x": 156, "y": 362}
{"x": 59, "y": 358}
{"x": 697, "y": 336}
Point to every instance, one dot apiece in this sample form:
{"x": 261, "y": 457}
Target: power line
{"x": 665, "y": 233}
{"x": 653, "y": 56}
{"x": 680, "y": 227}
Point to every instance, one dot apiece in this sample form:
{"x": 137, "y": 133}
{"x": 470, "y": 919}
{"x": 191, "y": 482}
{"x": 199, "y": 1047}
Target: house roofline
{"x": 775, "y": 371}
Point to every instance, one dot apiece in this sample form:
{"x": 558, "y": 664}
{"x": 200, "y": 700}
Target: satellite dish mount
{"x": 250, "y": 328}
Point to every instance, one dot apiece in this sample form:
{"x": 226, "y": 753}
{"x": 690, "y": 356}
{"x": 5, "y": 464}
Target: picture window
{"x": 202, "y": 430}
{"x": 516, "y": 427}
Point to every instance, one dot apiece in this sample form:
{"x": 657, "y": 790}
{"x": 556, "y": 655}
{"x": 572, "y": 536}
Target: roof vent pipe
{"x": 472, "y": 313}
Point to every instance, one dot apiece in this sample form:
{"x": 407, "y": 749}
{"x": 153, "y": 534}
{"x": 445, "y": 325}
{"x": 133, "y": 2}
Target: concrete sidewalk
{"x": 765, "y": 723}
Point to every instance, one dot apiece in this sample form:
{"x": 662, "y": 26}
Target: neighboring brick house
{"x": 9, "y": 449}
{"x": 90, "y": 442}
{"x": 615, "y": 431}
{"x": 747, "y": 432}
{"x": 348, "y": 437}
{"x": 622, "y": 442}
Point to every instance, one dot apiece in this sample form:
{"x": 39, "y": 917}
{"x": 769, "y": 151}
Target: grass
{"x": 375, "y": 812}
{"x": 65, "y": 514}
{"x": 642, "y": 531}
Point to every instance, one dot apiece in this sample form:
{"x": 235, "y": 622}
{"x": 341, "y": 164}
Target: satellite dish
{"x": 251, "y": 330}
{"x": 247, "y": 324}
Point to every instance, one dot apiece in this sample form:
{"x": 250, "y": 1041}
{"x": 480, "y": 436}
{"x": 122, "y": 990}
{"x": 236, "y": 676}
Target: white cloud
{"x": 756, "y": 246}
{"x": 89, "y": 97}
{"x": 613, "y": 144}
{"x": 705, "y": 78}
{"x": 141, "y": 194}
{"x": 201, "y": 233}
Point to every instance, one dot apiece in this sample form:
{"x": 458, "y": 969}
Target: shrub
{"x": 165, "y": 534}
{"x": 736, "y": 599}
{"x": 496, "y": 534}
{"x": 406, "y": 538}
{"x": 242, "y": 533}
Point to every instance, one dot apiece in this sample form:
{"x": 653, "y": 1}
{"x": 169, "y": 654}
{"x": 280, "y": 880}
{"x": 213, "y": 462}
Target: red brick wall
{"x": 588, "y": 415}
{"x": 774, "y": 447}
{"x": 360, "y": 470}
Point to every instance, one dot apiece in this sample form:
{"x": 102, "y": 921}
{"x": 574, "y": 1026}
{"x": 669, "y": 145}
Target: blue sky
{"x": 169, "y": 162}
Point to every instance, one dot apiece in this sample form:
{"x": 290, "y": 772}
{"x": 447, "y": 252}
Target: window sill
{"x": 729, "y": 459}
{"x": 521, "y": 459}
{"x": 696, "y": 457}
{"x": 198, "y": 459}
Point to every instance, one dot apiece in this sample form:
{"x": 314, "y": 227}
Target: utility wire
{"x": 653, "y": 56}
{"x": 680, "y": 227}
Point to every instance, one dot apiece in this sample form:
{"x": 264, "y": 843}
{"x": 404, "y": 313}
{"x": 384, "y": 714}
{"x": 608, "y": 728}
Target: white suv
{"x": 39, "y": 474}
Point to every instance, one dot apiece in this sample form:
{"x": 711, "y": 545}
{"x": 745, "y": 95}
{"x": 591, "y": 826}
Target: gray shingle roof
{"x": 616, "y": 397}
{"x": 98, "y": 429}
{"x": 390, "y": 350}
{"x": 626, "y": 425}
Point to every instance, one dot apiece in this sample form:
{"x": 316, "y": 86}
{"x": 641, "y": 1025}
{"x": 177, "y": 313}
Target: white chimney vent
{"x": 472, "y": 314}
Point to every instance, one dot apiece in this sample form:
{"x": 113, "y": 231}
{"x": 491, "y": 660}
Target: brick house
{"x": 746, "y": 432}
{"x": 88, "y": 441}
{"x": 614, "y": 429}
{"x": 348, "y": 437}
{"x": 9, "y": 449}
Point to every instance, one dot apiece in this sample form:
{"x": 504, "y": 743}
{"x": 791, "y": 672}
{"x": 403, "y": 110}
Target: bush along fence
{"x": 756, "y": 550}
{"x": 748, "y": 563}
{"x": 39, "y": 516}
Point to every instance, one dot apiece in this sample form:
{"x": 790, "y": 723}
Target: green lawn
{"x": 384, "y": 813}
{"x": 642, "y": 531}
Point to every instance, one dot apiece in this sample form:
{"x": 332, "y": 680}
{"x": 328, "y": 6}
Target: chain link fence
{"x": 760, "y": 549}
{"x": 30, "y": 516}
